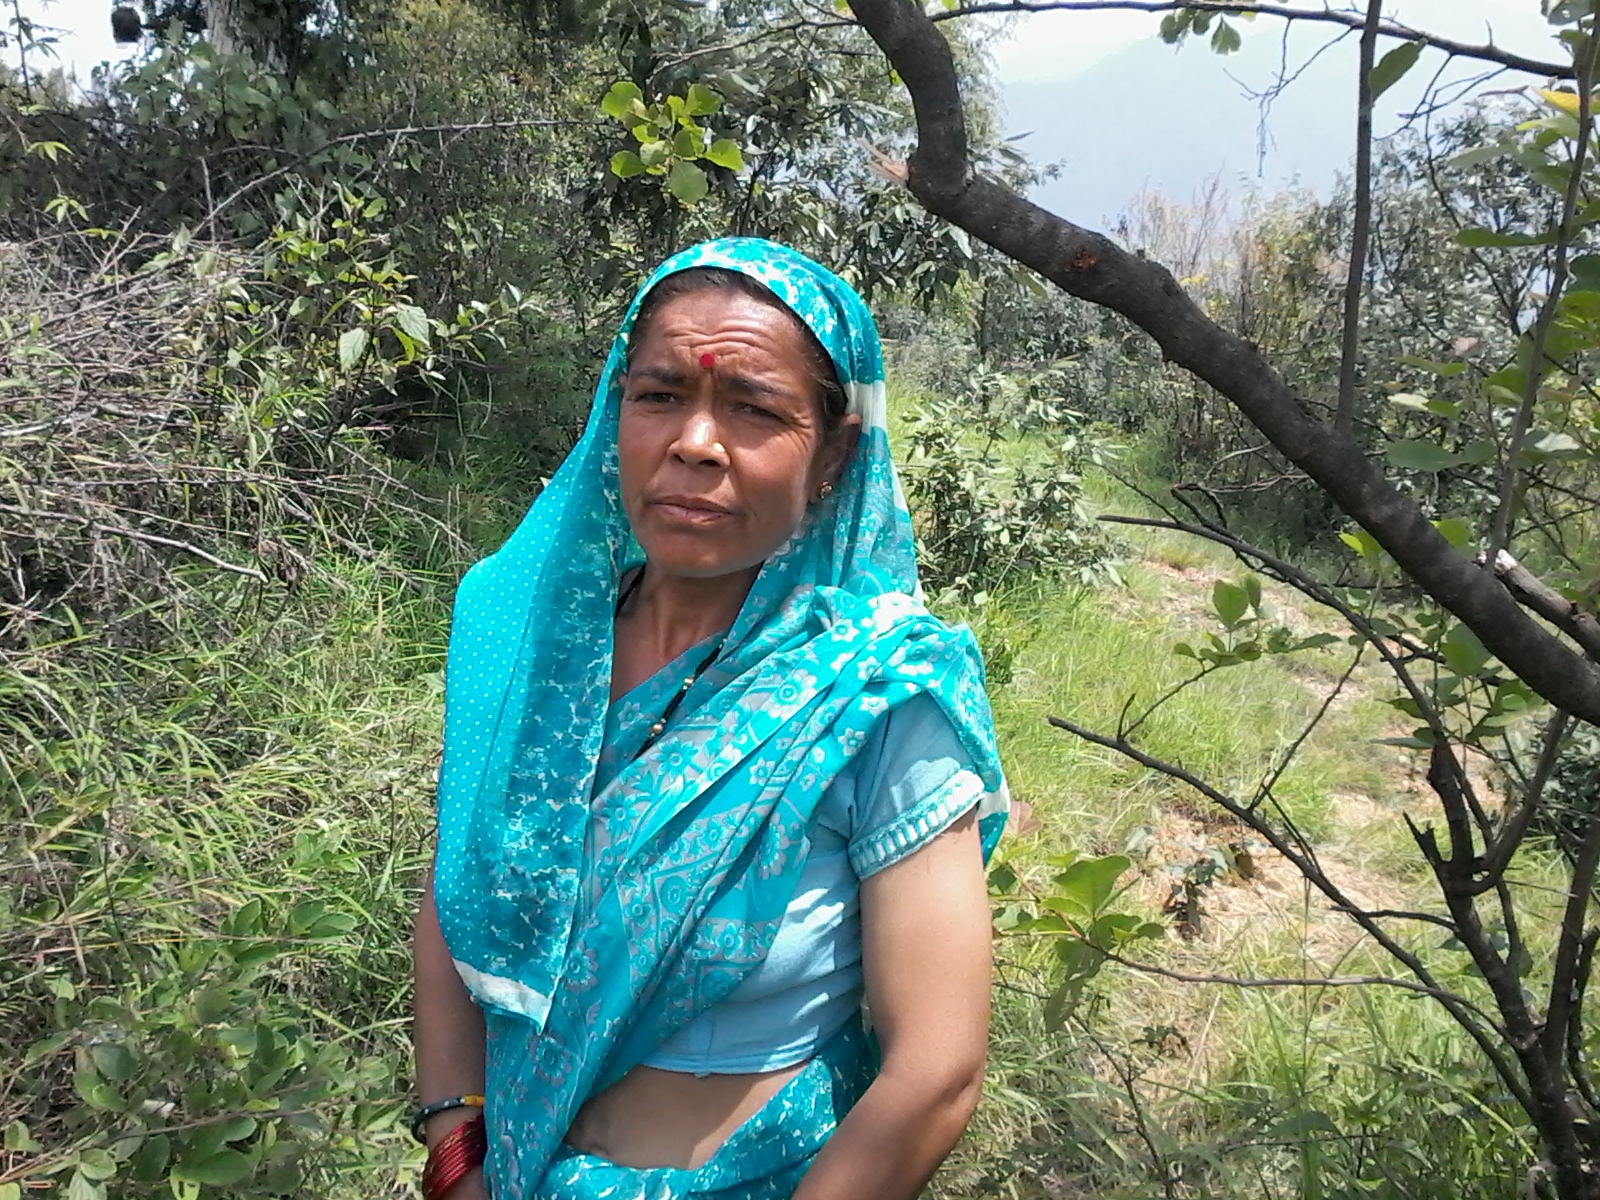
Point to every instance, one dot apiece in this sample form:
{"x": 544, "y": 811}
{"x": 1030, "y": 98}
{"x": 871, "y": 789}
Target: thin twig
{"x": 1344, "y": 415}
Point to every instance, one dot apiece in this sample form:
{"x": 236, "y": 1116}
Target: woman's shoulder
{"x": 911, "y": 779}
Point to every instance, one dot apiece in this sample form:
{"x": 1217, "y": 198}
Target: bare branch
{"x": 1344, "y": 416}
{"x": 133, "y": 535}
{"x": 1465, "y": 1015}
{"x": 1351, "y": 20}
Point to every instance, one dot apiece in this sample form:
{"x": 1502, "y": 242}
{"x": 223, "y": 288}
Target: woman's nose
{"x": 698, "y": 440}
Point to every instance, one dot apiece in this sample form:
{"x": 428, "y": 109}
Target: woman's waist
{"x": 659, "y": 1118}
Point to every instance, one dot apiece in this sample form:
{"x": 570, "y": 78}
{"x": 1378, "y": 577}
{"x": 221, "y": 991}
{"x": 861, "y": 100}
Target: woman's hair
{"x": 717, "y": 279}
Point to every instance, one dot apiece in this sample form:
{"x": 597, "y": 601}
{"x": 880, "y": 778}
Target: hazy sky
{"x": 1040, "y": 48}
{"x": 1056, "y": 46}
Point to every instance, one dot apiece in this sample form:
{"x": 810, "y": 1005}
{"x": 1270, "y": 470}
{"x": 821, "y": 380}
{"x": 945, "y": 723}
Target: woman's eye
{"x": 654, "y": 398}
{"x": 755, "y": 410}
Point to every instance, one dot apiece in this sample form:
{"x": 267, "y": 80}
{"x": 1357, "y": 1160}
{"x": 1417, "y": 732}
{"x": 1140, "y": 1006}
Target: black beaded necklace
{"x": 660, "y": 726}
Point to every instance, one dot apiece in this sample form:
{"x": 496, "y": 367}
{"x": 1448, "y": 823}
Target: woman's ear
{"x": 838, "y": 447}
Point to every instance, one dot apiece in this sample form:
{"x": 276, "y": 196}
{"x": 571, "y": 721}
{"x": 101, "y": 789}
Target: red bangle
{"x": 455, "y": 1156}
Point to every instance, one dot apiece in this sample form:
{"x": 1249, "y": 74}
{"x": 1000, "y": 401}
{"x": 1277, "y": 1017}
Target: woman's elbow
{"x": 946, "y": 1095}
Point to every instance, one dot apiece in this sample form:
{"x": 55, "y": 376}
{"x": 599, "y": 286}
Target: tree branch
{"x": 1536, "y": 594}
{"x": 1350, "y": 20}
{"x": 1092, "y": 267}
{"x": 135, "y": 535}
{"x": 1344, "y": 417}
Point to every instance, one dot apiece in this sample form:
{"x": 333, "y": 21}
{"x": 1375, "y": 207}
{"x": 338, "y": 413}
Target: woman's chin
{"x": 693, "y": 558}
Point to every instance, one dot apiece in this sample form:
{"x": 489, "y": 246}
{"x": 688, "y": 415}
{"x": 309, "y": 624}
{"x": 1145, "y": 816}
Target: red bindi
{"x": 708, "y": 360}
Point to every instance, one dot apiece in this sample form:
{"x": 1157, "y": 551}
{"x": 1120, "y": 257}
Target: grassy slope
{"x": 1230, "y": 1092}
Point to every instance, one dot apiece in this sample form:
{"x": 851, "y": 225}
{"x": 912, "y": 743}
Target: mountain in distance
{"x": 1153, "y": 117}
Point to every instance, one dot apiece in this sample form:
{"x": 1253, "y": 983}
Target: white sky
{"x": 84, "y": 31}
{"x": 1054, "y": 46}
{"x": 1040, "y": 48}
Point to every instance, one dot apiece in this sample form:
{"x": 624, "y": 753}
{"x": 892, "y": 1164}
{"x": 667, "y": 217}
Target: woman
{"x": 712, "y": 776}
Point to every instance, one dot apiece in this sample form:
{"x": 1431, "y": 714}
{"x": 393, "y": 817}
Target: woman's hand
{"x": 925, "y": 930}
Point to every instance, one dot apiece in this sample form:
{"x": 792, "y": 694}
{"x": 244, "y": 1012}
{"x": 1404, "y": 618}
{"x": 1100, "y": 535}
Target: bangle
{"x": 428, "y": 1111}
{"x": 457, "y": 1154}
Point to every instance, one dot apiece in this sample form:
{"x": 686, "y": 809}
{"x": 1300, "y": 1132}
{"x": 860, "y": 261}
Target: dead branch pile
{"x": 133, "y": 453}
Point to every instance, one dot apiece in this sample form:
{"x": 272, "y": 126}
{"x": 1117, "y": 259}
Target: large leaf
{"x": 1391, "y": 68}
{"x": 619, "y": 101}
{"x": 219, "y": 1169}
{"x": 413, "y": 321}
{"x": 1087, "y": 884}
{"x": 1422, "y": 456}
{"x": 688, "y": 183}
{"x": 352, "y": 345}
{"x": 725, "y": 153}
{"x": 702, "y": 101}
{"x": 1230, "y": 601}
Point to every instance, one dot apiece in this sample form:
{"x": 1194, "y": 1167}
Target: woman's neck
{"x": 670, "y": 613}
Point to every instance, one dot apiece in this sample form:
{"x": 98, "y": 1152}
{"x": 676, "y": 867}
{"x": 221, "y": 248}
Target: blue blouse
{"x": 910, "y": 781}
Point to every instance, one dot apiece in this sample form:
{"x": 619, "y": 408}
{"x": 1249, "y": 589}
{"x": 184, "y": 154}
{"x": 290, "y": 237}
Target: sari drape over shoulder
{"x": 591, "y": 923}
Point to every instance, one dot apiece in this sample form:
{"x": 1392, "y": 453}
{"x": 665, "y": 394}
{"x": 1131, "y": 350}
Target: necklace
{"x": 660, "y": 725}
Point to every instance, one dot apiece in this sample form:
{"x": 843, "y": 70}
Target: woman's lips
{"x": 691, "y": 512}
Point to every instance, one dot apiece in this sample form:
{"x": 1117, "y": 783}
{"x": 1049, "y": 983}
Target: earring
{"x": 825, "y": 490}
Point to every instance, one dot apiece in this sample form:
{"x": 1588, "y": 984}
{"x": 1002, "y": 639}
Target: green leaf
{"x": 1586, "y": 271}
{"x": 97, "y": 1164}
{"x": 724, "y": 152}
{"x": 1363, "y": 543}
{"x": 1002, "y": 878}
{"x": 1456, "y": 531}
{"x": 352, "y": 345}
{"x": 702, "y": 101}
{"x": 149, "y": 1161}
{"x": 1226, "y": 39}
{"x": 1087, "y": 884}
{"x": 654, "y": 153}
{"x": 1230, "y": 602}
{"x": 688, "y": 183}
{"x": 619, "y": 101}
{"x": 113, "y": 1060}
{"x": 1463, "y": 652}
{"x": 413, "y": 321}
{"x": 1421, "y": 456}
{"x": 625, "y": 164}
{"x": 1391, "y": 68}
{"x": 687, "y": 143}
{"x": 96, "y": 1092}
{"x": 219, "y": 1169}
{"x": 1547, "y": 444}
{"x": 82, "y": 1188}
{"x": 1478, "y": 155}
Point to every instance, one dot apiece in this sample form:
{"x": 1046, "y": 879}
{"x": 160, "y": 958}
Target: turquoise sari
{"x": 595, "y": 902}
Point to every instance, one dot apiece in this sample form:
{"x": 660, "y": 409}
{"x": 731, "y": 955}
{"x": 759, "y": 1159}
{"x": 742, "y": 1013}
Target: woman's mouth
{"x": 691, "y": 511}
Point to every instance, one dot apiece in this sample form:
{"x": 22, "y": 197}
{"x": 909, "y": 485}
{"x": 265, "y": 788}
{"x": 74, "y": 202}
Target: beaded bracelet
{"x": 428, "y": 1111}
{"x": 456, "y": 1155}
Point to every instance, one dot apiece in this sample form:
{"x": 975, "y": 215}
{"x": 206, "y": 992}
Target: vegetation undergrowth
{"x": 1154, "y": 1086}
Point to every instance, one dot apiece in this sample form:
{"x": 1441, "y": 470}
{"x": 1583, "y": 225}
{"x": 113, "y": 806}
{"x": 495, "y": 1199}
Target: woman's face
{"x": 721, "y": 438}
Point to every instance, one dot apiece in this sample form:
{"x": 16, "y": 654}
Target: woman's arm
{"x": 925, "y": 931}
{"x": 448, "y": 1035}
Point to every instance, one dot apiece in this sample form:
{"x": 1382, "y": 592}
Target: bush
{"x": 996, "y": 488}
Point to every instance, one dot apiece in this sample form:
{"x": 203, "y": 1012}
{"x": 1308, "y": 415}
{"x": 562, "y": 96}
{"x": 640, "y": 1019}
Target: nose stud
{"x": 708, "y": 360}
{"x": 719, "y": 447}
